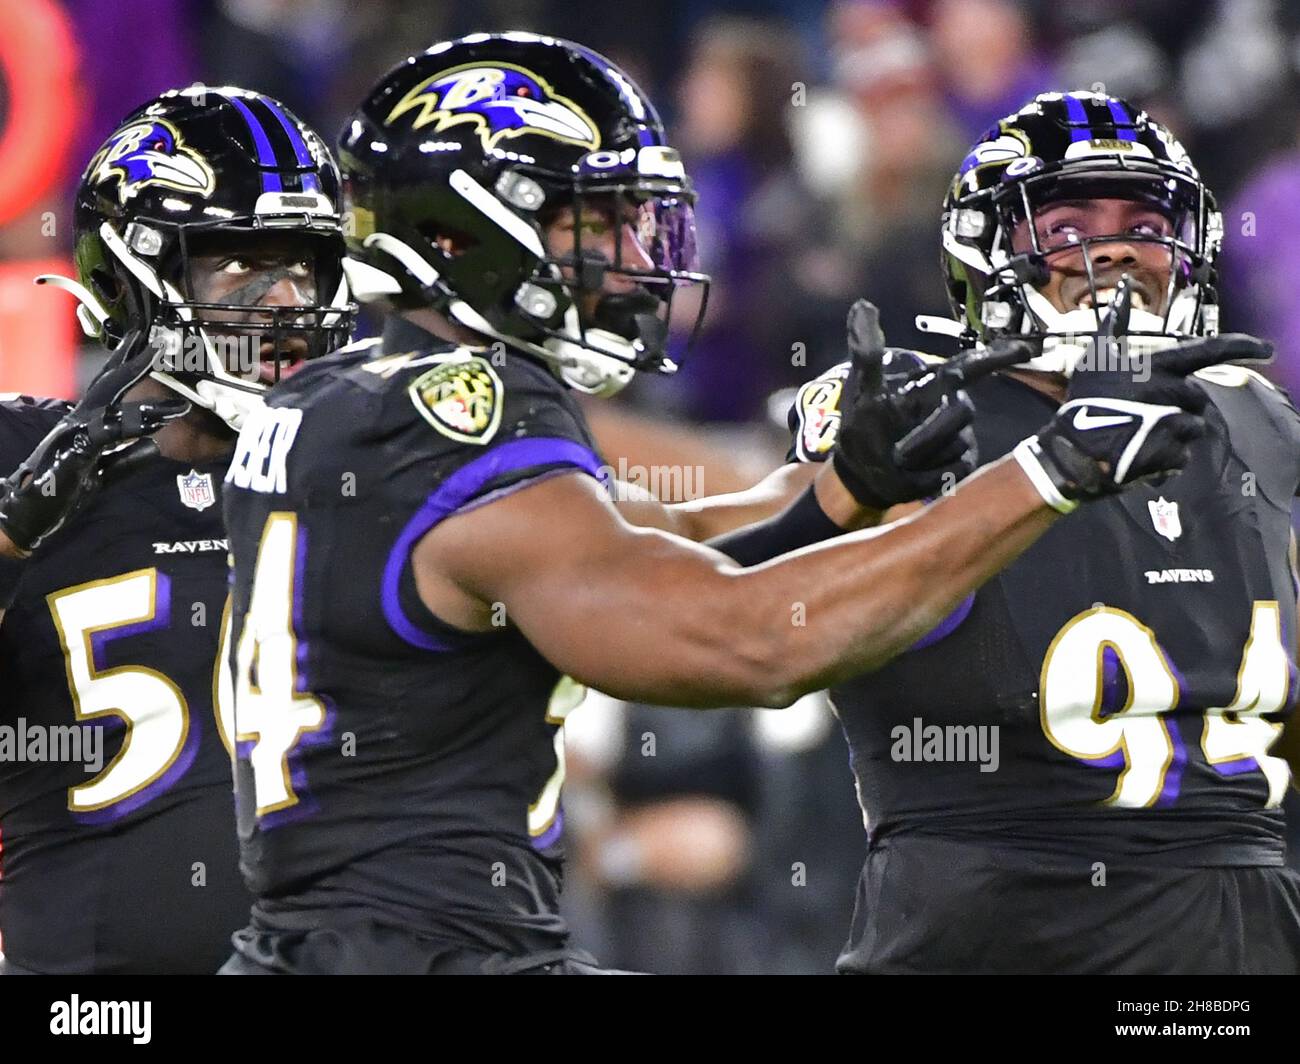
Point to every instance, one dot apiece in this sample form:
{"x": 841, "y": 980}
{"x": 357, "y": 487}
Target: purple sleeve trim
{"x": 454, "y": 494}
{"x": 945, "y": 627}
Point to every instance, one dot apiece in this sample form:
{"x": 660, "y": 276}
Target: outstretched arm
{"x": 716, "y": 515}
{"x": 903, "y": 433}
{"x": 646, "y": 616}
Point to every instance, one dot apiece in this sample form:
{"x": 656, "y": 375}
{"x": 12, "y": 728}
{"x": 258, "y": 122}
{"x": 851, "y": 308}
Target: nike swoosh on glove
{"x": 1114, "y": 428}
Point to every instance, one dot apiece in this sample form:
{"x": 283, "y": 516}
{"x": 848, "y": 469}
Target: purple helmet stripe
{"x": 310, "y": 183}
{"x": 1078, "y": 113}
{"x": 265, "y": 153}
{"x": 1123, "y": 121}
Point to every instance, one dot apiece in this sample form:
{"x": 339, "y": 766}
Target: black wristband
{"x": 856, "y": 486}
{"x": 801, "y": 524}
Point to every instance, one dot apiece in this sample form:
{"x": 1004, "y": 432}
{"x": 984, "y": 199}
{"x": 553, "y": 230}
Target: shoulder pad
{"x": 18, "y": 402}
{"x": 24, "y": 422}
{"x": 368, "y": 346}
{"x": 1231, "y": 376}
{"x": 1263, "y": 427}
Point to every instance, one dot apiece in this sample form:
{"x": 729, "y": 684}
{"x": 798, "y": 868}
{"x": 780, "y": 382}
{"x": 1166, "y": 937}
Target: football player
{"x": 208, "y": 253}
{"x": 423, "y": 549}
{"x": 1129, "y": 673}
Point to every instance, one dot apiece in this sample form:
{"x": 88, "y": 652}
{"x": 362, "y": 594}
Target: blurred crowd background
{"x": 821, "y": 137}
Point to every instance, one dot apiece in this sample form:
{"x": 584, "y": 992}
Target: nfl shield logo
{"x": 1164, "y": 515}
{"x": 196, "y": 490}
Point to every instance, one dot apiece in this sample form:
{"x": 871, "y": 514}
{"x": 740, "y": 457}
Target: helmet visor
{"x": 625, "y": 253}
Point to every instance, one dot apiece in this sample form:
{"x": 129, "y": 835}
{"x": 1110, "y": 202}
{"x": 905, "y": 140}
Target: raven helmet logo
{"x": 461, "y": 399}
{"x": 151, "y": 152}
{"x": 499, "y": 101}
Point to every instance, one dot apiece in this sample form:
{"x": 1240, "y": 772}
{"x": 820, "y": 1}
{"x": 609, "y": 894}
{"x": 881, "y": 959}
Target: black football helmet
{"x": 190, "y": 165}
{"x": 1070, "y": 147}
{"x": 461, "y": 156}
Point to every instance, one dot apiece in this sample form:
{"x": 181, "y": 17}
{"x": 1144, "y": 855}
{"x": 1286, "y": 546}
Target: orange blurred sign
{"x": 38, "y": 58}
{"x": 38, "y": 331}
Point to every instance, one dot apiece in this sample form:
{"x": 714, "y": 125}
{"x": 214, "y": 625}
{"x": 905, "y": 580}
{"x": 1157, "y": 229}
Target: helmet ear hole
{"x": 107, "y": 288}
{"x": 451, "y": 242}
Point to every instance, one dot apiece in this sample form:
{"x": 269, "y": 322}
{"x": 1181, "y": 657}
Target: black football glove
{"x": 82, "y": 450}
{"x": 904, "y": 431}
{"x": 1114, "y": 429}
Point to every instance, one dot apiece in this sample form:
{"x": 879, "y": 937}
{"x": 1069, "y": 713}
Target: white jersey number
{"x": 270, "y": 711}
{"x": 151, "y": 705}
{"x": 1136, "y": 737}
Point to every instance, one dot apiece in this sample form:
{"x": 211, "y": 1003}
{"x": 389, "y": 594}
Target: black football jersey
{"x": 116, "y": 816}
{"x": 1114, "y": 692}
{"x": 389, "y": 765}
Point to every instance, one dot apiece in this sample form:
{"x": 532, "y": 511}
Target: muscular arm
{"x": 714, "y": 515}
{"x": 649, "y": 617}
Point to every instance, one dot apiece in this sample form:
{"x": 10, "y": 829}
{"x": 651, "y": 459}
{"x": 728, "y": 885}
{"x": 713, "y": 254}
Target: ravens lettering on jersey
{"x": 119, "y": 850}
{"x": 397, "y": 780}
{"x": 1072, "y": 773}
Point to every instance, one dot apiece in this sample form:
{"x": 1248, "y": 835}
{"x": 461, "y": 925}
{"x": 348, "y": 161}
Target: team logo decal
{"x": 461, "y": 400}
{"x": 1176, "y": 152}
{"x": 817, "y": 415}
{"x": 1010, "y": 144}
{"x": 196, "y": 490}
{"x": 151, "y": 152}
{"x": 499, "y": 101}
{"x": 1164, "y": 515}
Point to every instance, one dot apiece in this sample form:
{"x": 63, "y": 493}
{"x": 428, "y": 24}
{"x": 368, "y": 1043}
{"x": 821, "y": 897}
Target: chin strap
{"x": 591, "y": 371}
{"x": 579, "y": 366}
{"x": 232, "y": 405}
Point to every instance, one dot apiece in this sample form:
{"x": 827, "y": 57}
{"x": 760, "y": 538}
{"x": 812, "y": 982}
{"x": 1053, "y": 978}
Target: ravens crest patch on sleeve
{"x": 817, "y": 415}
{"x": 462, "y": 399}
